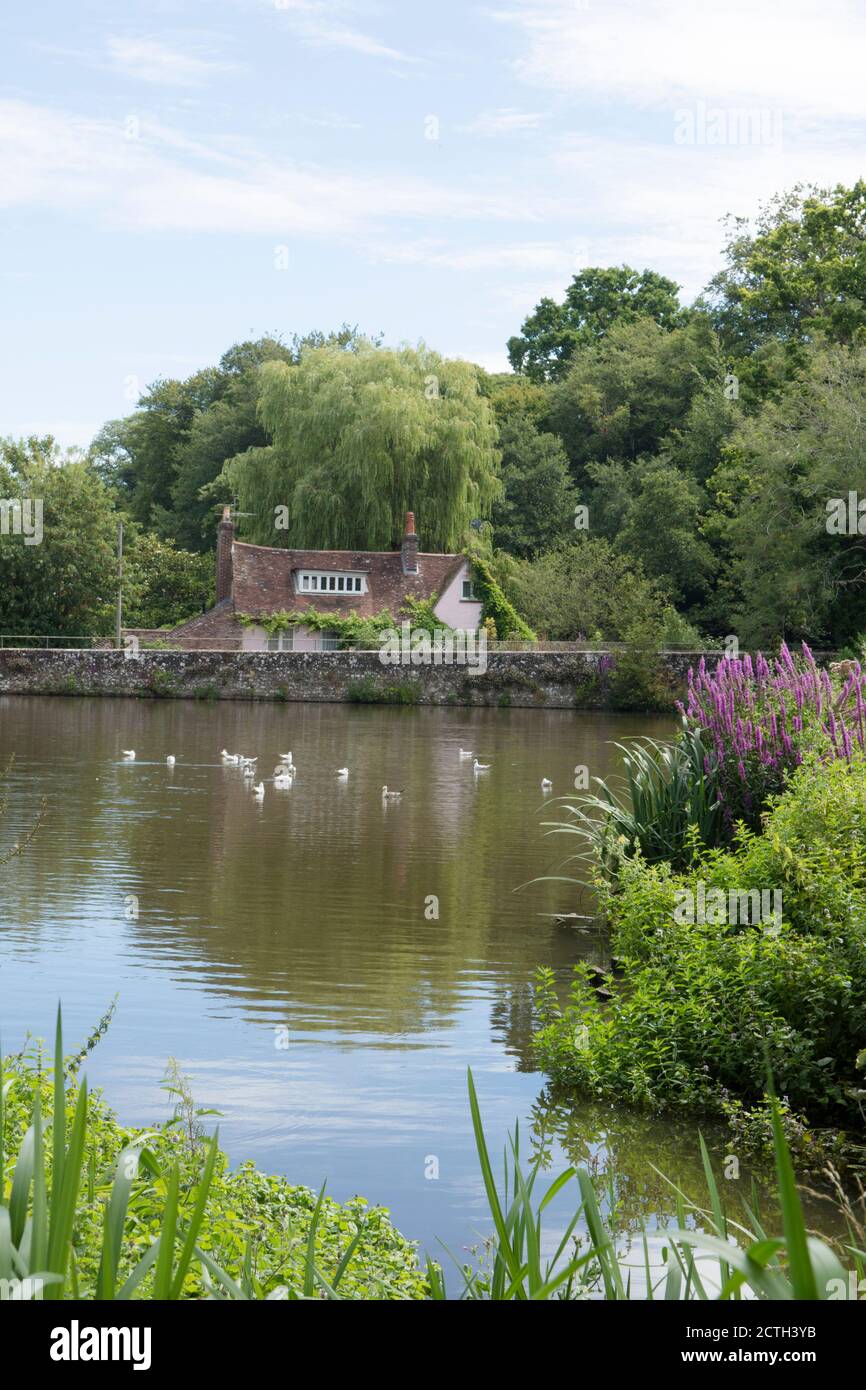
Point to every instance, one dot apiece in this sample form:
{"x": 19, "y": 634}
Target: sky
{"x": 177, "y": 176}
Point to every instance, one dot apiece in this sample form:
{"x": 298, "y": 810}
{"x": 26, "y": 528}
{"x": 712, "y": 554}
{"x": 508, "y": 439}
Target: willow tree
{"x": 361, "y": 437}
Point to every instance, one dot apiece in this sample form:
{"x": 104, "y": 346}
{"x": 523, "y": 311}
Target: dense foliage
{"x": 708, "y": 1001}
{"x": 595, "y": 301}
{"x": 65, "y": 585}
{"x": 733, "y": 875}
{"x": 359, "y": 438}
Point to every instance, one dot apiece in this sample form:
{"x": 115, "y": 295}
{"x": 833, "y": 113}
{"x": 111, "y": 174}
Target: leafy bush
{"x": 705, "y": 1003}
{"x": 638, "y": 679}
{"x": 366, "y": 691}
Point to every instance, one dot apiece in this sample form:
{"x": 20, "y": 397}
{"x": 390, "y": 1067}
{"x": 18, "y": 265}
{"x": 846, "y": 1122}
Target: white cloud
{"x": 804, "y": 57}
{"x": 155, "y": 62}
{"x": 543, "y": 256}
{"x": 662, "y": 205}
{"x": 503, "y": 121}
{"x": 318, "y": 23}
{"x": 490, "y": 361}
{"x": 162, "y": 182}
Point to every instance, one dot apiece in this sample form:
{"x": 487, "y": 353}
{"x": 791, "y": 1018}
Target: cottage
{"x": 256, "y": 581}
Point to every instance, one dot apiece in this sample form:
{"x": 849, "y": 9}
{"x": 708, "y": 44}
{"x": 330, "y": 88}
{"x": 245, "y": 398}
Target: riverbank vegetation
{"x": 647, "y": 465}
{"x": 105, "y": 1211}
{"x": 733, "y": 875}
{"x": 92, "y": 1210}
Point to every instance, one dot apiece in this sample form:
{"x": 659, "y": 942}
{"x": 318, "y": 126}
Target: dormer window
{"x": 468, "y": 591}
{"x": 325, "y": 582}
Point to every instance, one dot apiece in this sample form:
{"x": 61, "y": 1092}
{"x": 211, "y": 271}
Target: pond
{"x": 323, "y": 965}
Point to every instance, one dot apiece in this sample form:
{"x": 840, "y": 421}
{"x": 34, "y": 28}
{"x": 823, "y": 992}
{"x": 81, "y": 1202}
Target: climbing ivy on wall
{"x": 351, "y": 629}
{"x": 494, "y": 603}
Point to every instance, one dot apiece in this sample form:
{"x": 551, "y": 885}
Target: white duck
{"x": 546, "y": 784}
{"x": 465, "y": 752}
{"x": 285, "y": 758}
{"x": 259, "y": 792}
{"x": 390, "y": 796}
{"x": 282, "y": 781}
{"x": 480, "y": 767}
{"x": 170, "y": 760}
{"x": 343, "y": 774}
{"x": 249, "y": 772}
{"x": 128, "y": 754}
{"x": 230, "y": 757}
{"x": 248, "y": 762}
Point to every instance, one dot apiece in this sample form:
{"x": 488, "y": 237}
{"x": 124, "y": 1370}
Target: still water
{"x": 324, "y": 966}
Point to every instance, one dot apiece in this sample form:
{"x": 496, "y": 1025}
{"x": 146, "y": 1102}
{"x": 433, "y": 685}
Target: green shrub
{"x": 705, "y": 1004}
{"x": 638, "y": 679}
{"x": 366, "y": 691}
{"x": 162, "y": 684}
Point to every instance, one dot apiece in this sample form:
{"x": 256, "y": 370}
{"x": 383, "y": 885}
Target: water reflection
{"x": 387, "y": 943}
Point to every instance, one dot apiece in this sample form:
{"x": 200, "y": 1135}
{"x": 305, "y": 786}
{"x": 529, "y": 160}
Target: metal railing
{"x": 28, "y": 641}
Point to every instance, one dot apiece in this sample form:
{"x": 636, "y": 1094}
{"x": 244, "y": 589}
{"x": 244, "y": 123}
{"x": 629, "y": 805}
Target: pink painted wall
{"x": 456, "y": 611}
{"x": 255, "y": 639}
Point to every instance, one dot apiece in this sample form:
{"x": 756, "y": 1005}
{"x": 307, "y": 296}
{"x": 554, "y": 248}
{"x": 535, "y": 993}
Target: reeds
{"x": 669, "y": 788}
{"x": 586, "y": 1263}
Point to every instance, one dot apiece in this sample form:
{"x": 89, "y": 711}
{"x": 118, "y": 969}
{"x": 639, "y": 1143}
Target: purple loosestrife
{"x": 759, "y": 715}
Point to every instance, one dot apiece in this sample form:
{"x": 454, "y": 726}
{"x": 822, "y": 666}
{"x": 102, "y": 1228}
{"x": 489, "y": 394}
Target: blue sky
{"x": 160, "y": 161}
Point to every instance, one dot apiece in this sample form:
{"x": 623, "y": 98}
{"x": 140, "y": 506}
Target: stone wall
{"x": 548, "y": 679}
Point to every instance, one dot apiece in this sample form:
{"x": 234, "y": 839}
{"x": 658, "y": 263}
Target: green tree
{"x": 662, "y": 527}
{"x": 176, "y": 442}
{"x": 584, "y": 589}
{"x": 513, "y": 396}
{"x": 361, "y": 437}
{"x": 624, "y": 395}
{"x": 597, "y": 299}
{"x": 140, "y": 454}
{"x": 64, "y": 585}
{"x": 538, "y": 501}
{"x": 798, "y": 272}
{"x": 791, "y": 577}
{"x": 162, "y": 584}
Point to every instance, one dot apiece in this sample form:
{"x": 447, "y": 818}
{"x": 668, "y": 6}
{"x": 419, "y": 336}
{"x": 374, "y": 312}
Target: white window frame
{"x": 331, "y": 582}
{"x": 282, "y": 641}
{"x": 471, "y": 597}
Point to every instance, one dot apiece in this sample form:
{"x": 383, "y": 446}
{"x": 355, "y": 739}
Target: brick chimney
{"x": 225, "y": 536}
{"x": 409, "y": 546}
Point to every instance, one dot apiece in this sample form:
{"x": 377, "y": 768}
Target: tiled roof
{"x": 218, "y": 629}
{"x": 264, "y": 579}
